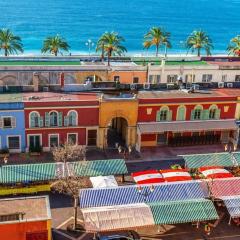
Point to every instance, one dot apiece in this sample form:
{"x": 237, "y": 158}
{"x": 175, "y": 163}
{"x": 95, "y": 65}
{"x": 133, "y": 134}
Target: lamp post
{"x": 89, "y": 44}
{"x": 146, "y": 191}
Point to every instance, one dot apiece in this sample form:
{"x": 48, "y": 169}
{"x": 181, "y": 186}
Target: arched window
{"x": 181, "y": 112}
{"x": 164, "y": 114}
{"x": 197, "y": 113}
{"x": 53, "y": 119}
{"x": 72, "y": 118}
{"x": 34, "y": 119}
{"x": 213, "y": 112}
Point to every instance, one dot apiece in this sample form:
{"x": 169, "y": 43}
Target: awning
{"x": 187, "y": 126}
{"x": 103, "y": 181}
{"x": 233, "y": 205}
{"x": 183, "y": 211}
{"x": 215, "y": 172}
{"x": 209, "y": 159}
{"x": 225, "y": 187}
{"x": 172, "y": 175}
{"x": 236, "y": 156}
{"x": 117, "y": 217}
{"x": 130, "y": 194}
{"x": 147, "y": 177}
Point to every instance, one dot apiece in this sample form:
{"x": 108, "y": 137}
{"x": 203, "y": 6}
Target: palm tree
{"x": 111, "y": 44}
{"x": 54, "y": 44}
{"x": 199, "y": 40}
{"x": 100, "y": 46}
{"x": 157, "y": 36}
{"x": 234, "y": 46}
{"x": 10, "y": 43}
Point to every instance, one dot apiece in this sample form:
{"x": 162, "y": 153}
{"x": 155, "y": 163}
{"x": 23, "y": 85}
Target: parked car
{"x": 128, "y": 235}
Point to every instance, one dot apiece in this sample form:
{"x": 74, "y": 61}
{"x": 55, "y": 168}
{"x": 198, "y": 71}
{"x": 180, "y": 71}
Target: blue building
{"x": 12, "y": 123}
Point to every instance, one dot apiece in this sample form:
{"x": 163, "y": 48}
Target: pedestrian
{"x": 207, "y": 229}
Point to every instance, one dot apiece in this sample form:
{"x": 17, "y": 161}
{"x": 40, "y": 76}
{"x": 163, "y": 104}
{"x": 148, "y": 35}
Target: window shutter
{"x": 218, "y": 114}
{"x": 169, "y": 115}
{"x": 74, "y": 117}
{"x": 66, "y": 121}
{"x": 158, "y": 116}
{"x": 1, "y": 122}
{"x": 32, "y": 123}
{"x": 41, "y": 122}
{"x": 47, "y": 120}
{"x": 13, "y": 119}
{"x": 60, "y": 116}
{"x": 192, "y": 114}
{"x": 205, "y": 114}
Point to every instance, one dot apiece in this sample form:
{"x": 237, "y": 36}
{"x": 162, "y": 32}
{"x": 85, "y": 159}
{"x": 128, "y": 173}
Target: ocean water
{"x": 80, "y": 20}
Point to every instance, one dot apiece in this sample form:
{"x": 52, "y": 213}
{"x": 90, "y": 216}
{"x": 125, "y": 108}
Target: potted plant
{"x": 4, "y": 152}
{"x": 35, "y": 151}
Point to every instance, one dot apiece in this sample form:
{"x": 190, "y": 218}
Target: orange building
{"x": 25, "y": 218}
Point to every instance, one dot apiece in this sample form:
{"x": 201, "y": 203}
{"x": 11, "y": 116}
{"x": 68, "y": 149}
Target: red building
{"x": 178, "y": 118}
{"x": 54, "y": 118}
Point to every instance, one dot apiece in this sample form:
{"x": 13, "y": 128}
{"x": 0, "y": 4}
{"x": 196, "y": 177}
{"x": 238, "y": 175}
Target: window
{"x": 135, "y": 79}
{"x": 171, "y": 78}
{"x": 72, "y": 118}
{"x": 72, "y": 138}
{"x": 34, "y": 119}
{"x": 224, "y": 78}
{"x": 116, "y": 78}
{"x": 14, "y": 142}
{"x": 150, "y": 78}
{"x": 190, "y": 78}
{"x": 237, "y": 78}
{"x": 212, "y": 113}
{"x": 53, "y": 141}
{"x": 207, "y": 77}
{"x": 154, "y": 79}
{"x": 7, "y": 122}
{"x": 53, "y": 119}
{"x": 92, "y": 137}
{"x": 163, "y": 115}
{"x": 181, "y": 113}
{"x": 197, "y": 114}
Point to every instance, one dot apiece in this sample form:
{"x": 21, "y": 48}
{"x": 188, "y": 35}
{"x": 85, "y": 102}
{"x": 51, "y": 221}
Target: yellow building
{"x": 117, "y": 120}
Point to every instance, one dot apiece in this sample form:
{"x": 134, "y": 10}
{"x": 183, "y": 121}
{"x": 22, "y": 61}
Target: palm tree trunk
{"x": 157, "y": 49}
{"x": 109, "y": 55}
{"x": 75, "y": 213}
{"x": 102, "y": 56}
{"x": 5, "y": 52}
{"x": 199, "y": 52}
{"x": 165, "y": 54}
{"x": 55, "y": 53}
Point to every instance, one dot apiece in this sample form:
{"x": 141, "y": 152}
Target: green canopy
{"x": 174, "y": 212}
{"x": 211, "y": 159}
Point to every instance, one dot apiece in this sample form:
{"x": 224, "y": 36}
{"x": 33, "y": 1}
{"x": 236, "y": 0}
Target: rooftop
{"x": 172, "y": 63}
{"x": 33, "y": 208}
{"x": 40, "y": 63}
{"x": 13, "y": 97}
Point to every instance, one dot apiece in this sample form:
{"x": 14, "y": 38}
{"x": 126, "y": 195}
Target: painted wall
{"x": 14, "y": 110}
{"x": 127, "y": 76}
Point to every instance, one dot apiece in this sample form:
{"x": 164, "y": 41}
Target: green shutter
{"x": 181, "y": 114}
{"x": 158, "y": 116}
{"x": 192, "y": 114}
{"x": 32, "y": 123}
{"x": 60, "y": 117}
{"x": 66, "y": 121}
{"x": 218, "y": 114}
{"x": 47, "y": 120}
{"x": 74, "y": 119}
{"x": 169, "y": 115}
{"x": 205, "y": 114}
{"x": 41, "y": 122}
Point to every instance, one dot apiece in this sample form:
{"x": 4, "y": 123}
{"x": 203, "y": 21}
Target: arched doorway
{"x": 117, "y": 132}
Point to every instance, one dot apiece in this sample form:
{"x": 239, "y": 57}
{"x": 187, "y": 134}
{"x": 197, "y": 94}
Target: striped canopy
{"x": 183, "y": 211}
{"x": 233, "y": 205}
{"x": 212, "y": 159}
{"x": 225, "y": 187}
{"x": 236, "y": 156}
{"x": 147, "y": 177}
{"x": 173, "y": 175}
{"x": 117, "y": 217}
{"x": 215, "y": 172}
{"x": 130, "y": 194}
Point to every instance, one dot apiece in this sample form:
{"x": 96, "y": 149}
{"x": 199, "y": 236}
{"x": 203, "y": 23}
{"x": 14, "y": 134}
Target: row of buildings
{"x": 28, "y": 74}
{"x": 30, "y": 121}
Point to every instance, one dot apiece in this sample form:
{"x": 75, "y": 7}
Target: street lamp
{"x": 146, "y": 191}
{"x": 89, "y": 44}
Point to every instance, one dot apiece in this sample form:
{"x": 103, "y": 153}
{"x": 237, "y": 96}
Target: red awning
{"x": 172, "y": 175}
{"x": 147, "y": 177}
{"x": 215, "y": 172}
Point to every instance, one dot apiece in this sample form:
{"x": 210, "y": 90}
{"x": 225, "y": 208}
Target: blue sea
{"x": 80, "y": 20}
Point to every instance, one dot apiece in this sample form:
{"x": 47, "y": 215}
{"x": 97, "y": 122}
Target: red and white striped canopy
{"x": 172, "y": 175}
{"x": 215, "y": 172}
{"x": 147, "y": 177}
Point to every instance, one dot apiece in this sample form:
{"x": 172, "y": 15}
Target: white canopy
{"x": 117, "y": 217}
{"x": 103, "y": 181}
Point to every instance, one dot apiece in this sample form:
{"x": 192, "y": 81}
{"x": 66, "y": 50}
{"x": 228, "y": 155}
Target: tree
{"x": 199, "y": 40}
{"x": 68, "y": 182}
{"x": 54, "y": 44}
{"x": 234, "y": 46}
{"x": 10, "y": 43}
{"x": 100, "y": 46}
{"x": 111, "y": 44}
{"x": 157, "y": 37}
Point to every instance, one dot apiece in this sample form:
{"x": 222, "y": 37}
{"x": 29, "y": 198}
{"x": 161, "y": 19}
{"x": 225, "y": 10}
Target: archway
{"x": 117, "y": 132}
